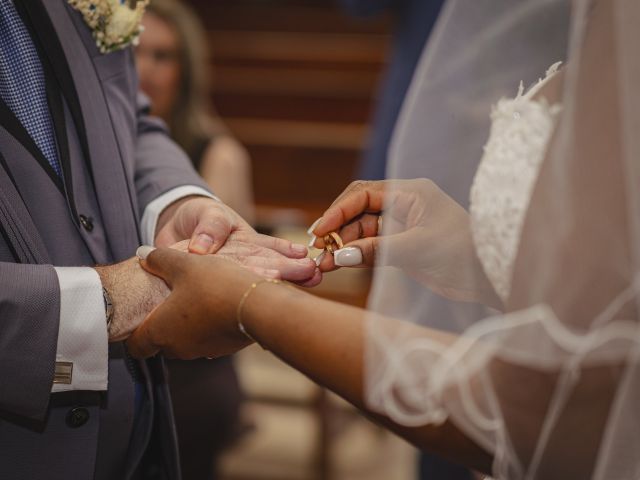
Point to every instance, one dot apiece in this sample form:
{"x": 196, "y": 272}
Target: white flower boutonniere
{"x": 115, "y": 23}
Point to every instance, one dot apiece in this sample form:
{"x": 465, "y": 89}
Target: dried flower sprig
{"x": 115, "y": 25}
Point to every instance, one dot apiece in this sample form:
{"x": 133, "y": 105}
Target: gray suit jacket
{"x": 116, "y": 160}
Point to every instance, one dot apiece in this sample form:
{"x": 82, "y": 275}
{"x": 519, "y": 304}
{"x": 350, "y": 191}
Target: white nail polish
{"x": 312, "y": 241}
{"x": 143, "y": 251}
{"x": 314, "y": 225}
{"x": 348, "y": 257}
{"x": 319, "y": 258}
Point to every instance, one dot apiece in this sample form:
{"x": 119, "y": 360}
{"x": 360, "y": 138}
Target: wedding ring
{"x": 328, "y": 243}
{"x": 331, "y": 241}
{"x": 336, "y": 238}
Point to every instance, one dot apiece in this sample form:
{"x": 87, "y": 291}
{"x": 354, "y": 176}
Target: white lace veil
{"x": 548, "y": 384}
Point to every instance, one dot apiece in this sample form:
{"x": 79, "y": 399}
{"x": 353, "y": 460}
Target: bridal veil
{"x": 549, "y": 384}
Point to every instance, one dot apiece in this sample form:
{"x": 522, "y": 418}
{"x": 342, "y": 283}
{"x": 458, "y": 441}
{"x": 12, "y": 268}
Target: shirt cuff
{"x": 82, "y": 357}
{"x": 157, "y": 206}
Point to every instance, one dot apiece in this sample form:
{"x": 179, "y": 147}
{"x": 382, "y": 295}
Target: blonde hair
{"x": 192, "y": 117}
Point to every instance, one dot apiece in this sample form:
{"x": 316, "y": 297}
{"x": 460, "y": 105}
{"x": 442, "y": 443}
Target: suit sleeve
{"x": 161, "y": 165}
{"x": 29, "y": 320}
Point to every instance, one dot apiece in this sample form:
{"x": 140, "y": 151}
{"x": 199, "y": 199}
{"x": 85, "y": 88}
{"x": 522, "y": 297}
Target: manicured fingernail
{"x": 312, "y": 241}
{"x": 319, "y": 258}
{"x": 314, "y": 225}
{"x": 299, "y": 249}
{"x": 348, "y": 257}
{"x": 202, "y": 243}
{"x": 143, "y": 251}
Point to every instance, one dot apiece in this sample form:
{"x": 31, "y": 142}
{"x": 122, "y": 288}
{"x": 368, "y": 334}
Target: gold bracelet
{"x": 243, "y": 300}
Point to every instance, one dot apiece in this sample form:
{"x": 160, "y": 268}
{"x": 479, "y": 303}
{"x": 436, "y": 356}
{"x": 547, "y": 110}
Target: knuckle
{"x": 425, "y": 184}
{"x": 214, "y": 222}
{"x": 431, "y": 188}
{"x": 281, "y": 244}
{"x": 255, "y": 250}
{"x": 271, "y": 242}
{"x": 243, "y": 260}
{"x": 359, "y": 185}
{"x": 279, "y": 264}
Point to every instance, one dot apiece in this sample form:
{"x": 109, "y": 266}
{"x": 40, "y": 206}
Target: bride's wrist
{"x": 240, "y": 310}
{"x": 263, "y": 302}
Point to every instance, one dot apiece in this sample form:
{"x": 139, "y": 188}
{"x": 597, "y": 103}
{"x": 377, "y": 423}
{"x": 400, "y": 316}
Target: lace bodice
{"x": 520, "y": 131}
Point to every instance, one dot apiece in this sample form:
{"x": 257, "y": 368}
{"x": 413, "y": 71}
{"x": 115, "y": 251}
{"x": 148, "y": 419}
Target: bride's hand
{"x": 426, "y": 233}
{"x": 402, "y": 205}
{"x": 198, "y": 318}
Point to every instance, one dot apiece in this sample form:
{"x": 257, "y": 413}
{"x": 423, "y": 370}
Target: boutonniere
{"x": 115, "y": 23}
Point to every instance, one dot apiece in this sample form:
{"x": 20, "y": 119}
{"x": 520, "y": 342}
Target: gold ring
{"x": 336, "y": 238}
{"x": 331, "y": 241}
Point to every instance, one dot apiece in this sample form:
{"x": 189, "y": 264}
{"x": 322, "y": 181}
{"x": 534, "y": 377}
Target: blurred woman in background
{"x": 173, "y": 65}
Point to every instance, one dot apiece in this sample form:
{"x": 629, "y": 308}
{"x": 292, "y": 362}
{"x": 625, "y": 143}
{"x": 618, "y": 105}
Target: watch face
{"x": 108, "y": 306}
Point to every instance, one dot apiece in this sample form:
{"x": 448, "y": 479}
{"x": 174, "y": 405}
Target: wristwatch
{"x": 108, "y": 307}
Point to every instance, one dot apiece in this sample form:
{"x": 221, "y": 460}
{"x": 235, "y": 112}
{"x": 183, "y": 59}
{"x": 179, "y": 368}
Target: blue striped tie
{"x": 22, "y": 82}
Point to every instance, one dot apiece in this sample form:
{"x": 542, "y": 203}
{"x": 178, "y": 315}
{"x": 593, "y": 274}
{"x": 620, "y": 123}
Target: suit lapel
{"x": 60, "y": 41}
{"x": 56, "y": 107}
{"x": 53, "y": 88}
{"x": 11, "y": 123}
{"x": 16, "y": 227}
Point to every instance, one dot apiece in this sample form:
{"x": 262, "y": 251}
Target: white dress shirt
{"x": 83, "y": 342}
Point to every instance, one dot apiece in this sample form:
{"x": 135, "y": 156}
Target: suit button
{"x": 86, "y": 222}
{"x": 76, "y": 417}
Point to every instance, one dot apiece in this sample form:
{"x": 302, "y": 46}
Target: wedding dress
{"x": 521, "y": 128}
{"x": 549, "y": 386}
{"x": 520, "y": 132}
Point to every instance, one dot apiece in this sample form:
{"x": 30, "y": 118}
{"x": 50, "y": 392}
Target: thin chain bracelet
{"x": 243, "y": 300}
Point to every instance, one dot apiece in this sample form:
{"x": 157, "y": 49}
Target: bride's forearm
{"x": 325, "y": 341}
{"x": 315, "y": 336}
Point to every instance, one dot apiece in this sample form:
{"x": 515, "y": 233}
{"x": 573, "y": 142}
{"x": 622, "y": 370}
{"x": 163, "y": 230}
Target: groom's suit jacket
{"x": 116, "y": 160}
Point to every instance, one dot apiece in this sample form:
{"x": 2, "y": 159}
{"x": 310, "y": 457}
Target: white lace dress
{"x": 520, "y": 131}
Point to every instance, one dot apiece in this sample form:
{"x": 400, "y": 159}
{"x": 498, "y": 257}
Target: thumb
{"x": 166, "y": 263}
{"x": 371, "y": 251}
{"x": 210, "y": 234}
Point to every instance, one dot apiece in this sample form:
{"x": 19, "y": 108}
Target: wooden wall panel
{"x": 295, "y": 80}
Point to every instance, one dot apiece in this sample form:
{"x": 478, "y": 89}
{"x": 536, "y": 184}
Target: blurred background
{"x": 294, "y": 81}
{"x": 272, "y": 100}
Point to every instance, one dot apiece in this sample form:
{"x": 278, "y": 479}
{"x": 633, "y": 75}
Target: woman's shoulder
{"x": 206, "y": 149}
{"x": 225, "y": 151}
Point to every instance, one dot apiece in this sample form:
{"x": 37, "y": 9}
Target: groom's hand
{"x": 261, "y": 255}
{"x": 213, "y": 227}
{"x": 205, "y": 221}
